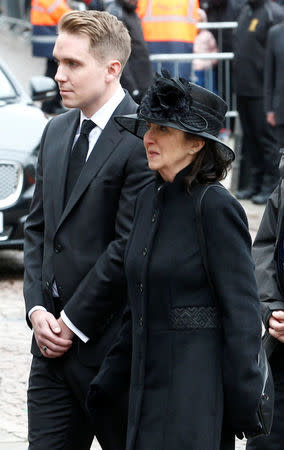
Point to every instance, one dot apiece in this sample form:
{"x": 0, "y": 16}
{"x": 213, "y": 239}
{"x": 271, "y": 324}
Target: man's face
{"x": 81, "y": 78}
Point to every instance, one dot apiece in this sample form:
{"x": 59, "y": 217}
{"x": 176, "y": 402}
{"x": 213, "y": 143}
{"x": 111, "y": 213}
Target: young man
{"x": 89, "y": 173}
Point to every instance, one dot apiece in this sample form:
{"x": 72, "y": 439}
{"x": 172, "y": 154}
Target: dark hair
{"x": 209, "y": 165}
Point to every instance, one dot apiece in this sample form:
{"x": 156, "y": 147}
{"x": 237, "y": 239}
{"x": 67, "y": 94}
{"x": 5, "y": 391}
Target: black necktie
{"x": 78, "y": 157}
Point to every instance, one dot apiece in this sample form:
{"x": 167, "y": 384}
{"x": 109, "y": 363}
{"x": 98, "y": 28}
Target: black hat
{"x": 177, "y": 103}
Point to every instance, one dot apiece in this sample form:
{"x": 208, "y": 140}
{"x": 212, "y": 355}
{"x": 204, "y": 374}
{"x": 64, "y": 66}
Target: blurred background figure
{"x": 259, "y": 147}
{"x": 45, "y": 15}
{"x": 274, "y": 81}
{"x": 223, "y": 11}
{"x": 170, "y": 27}
{"x": 138, "y": 73}
{"x": 205, "y": 42}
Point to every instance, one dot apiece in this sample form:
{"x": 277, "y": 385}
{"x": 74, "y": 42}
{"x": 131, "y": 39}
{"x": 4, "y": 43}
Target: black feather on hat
{"x": 180, "y": 104}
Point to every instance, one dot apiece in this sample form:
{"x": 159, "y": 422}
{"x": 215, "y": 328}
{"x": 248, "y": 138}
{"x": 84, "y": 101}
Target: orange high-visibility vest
{"x": 48, "y": 12}
{"x": 168, "y": 20}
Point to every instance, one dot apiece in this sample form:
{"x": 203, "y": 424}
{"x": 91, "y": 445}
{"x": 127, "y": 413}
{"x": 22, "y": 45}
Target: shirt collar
{"x": 102, "y": 116}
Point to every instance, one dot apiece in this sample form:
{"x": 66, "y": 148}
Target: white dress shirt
{"x": 100, "y": 118}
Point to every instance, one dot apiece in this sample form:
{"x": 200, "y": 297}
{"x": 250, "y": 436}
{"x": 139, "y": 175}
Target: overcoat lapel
{"x": 61, "y": 163}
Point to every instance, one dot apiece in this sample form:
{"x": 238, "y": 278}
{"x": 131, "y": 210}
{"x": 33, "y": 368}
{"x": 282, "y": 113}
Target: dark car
{"x": 21, "y": 127}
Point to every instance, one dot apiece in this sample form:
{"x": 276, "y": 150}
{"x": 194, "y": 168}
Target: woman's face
{"x": 169, "y": 150}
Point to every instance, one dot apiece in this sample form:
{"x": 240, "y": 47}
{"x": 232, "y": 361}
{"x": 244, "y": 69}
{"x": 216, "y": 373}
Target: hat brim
{"x": 138, "y": 127}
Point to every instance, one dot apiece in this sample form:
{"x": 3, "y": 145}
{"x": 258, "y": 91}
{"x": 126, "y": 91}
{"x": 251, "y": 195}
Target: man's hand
{"x": 47, "y": 333}
{"x": 276, "y": 325}
{"x": 270, "y": 118}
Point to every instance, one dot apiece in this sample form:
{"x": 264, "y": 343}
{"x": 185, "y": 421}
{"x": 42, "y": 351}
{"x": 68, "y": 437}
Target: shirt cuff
{"x": 72, "y": 327}
{"x": 35, "y": 308}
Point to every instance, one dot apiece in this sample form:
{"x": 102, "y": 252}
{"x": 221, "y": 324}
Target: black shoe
{"x": 261, "y": 198}
{"x": 245, "y": 194}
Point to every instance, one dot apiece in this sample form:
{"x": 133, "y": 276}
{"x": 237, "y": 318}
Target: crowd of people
{"x": 145, "y": 298}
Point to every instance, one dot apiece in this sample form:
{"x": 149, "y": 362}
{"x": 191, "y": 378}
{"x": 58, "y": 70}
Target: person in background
{"x": 44, "y": 16}
{"x": 259, "y": 146}
{"x": 274, "y": 81}
{"x": 170, "y": 27}
{"x": 138, "y": 73}
{"x": 269, "y": 264}
{"x": 204, "y": 69}
{"x": 89, "y": 173}
{"x": 195, "y": 379}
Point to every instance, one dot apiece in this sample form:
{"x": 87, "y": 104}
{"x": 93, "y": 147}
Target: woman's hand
{"x": 276, "y": 325}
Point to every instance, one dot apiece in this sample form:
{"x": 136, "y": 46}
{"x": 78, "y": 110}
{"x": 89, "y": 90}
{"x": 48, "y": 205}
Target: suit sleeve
{"x": 232, "y": 273}
{"x": 103, "y": 290}
{"x": 269, "y": 74}
{"x": 264, "y": 256}
{"x": 34, "y": 242}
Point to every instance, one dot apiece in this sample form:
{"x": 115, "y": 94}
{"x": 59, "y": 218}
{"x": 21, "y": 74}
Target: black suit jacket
{"x": 274, "y": 73}
{"x": 82, "y": 245}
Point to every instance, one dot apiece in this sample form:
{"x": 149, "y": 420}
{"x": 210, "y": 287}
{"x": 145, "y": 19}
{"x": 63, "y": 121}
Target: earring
{"x": 191, "y": 152}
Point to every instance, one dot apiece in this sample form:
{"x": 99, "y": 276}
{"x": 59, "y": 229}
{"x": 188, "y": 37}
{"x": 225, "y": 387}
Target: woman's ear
{"x": 197, "y": 144}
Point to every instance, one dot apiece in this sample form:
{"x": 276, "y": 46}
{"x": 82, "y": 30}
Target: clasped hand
{"x": 276, "y": 325}
{"x": 53, "y": 337}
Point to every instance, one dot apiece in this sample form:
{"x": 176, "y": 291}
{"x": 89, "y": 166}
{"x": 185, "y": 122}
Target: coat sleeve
{"x": 264, "y": 256}
{"x": 232, "y": 273}
{"x": 111, "y": 384}
{"x": 34, "y": 241}
{"x": 103, "y": 290}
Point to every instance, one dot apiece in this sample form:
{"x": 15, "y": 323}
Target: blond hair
{"x": 109, "y": 37}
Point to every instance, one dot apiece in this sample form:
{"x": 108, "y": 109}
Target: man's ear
{"x": 113, "y": 70}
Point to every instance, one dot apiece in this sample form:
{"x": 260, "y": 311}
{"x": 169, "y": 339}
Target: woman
{"x": 194, "y": 377}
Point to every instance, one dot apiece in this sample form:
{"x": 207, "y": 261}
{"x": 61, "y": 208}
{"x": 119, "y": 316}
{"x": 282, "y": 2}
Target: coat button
{"x": 145, "y": 251}
{"x": 58, "y": 248}
{"x": 154, "y": 217}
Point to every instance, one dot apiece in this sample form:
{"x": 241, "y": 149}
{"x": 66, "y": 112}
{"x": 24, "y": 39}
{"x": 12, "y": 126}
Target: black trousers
{"x": 275, "y": 441}
{"x": 259, "y": 147}
{"x": 57, "y": 416}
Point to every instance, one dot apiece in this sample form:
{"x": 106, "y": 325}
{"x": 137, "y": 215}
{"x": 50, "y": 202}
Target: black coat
{"x": 188, "y": 360}
{"x": 274, "y": 73}
{"x": 249, "y": 45}
{"x": 82, "y": 245}
{"x": 268, "y": 253}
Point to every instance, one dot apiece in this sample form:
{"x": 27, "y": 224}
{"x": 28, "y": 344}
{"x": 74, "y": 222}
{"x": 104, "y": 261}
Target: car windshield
{"x": 7, "y": 90}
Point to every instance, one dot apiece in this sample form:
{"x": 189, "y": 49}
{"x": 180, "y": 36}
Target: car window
{"x": 6, "y": 88}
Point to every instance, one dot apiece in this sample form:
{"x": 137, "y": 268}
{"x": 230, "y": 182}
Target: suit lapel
{"x": 105, "y": 146}
{"x": 68, "y": 129}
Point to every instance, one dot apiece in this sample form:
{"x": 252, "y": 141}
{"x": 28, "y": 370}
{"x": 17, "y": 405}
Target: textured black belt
{"x": 194, "y": 317}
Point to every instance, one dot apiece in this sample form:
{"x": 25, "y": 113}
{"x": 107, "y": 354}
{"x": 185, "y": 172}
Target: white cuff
{"x": 72, "y": 327}
{"x": 35, "y": 308}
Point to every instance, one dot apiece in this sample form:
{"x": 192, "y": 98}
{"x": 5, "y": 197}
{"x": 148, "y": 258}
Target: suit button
{"x": 154, "y": 217}
{"x": 145, "y": 251}
{"x": 58, "y": 248}
{"x": 141, "y": 321}
{"x": 141, "y": 288}
{"x": 47, "y": 284}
